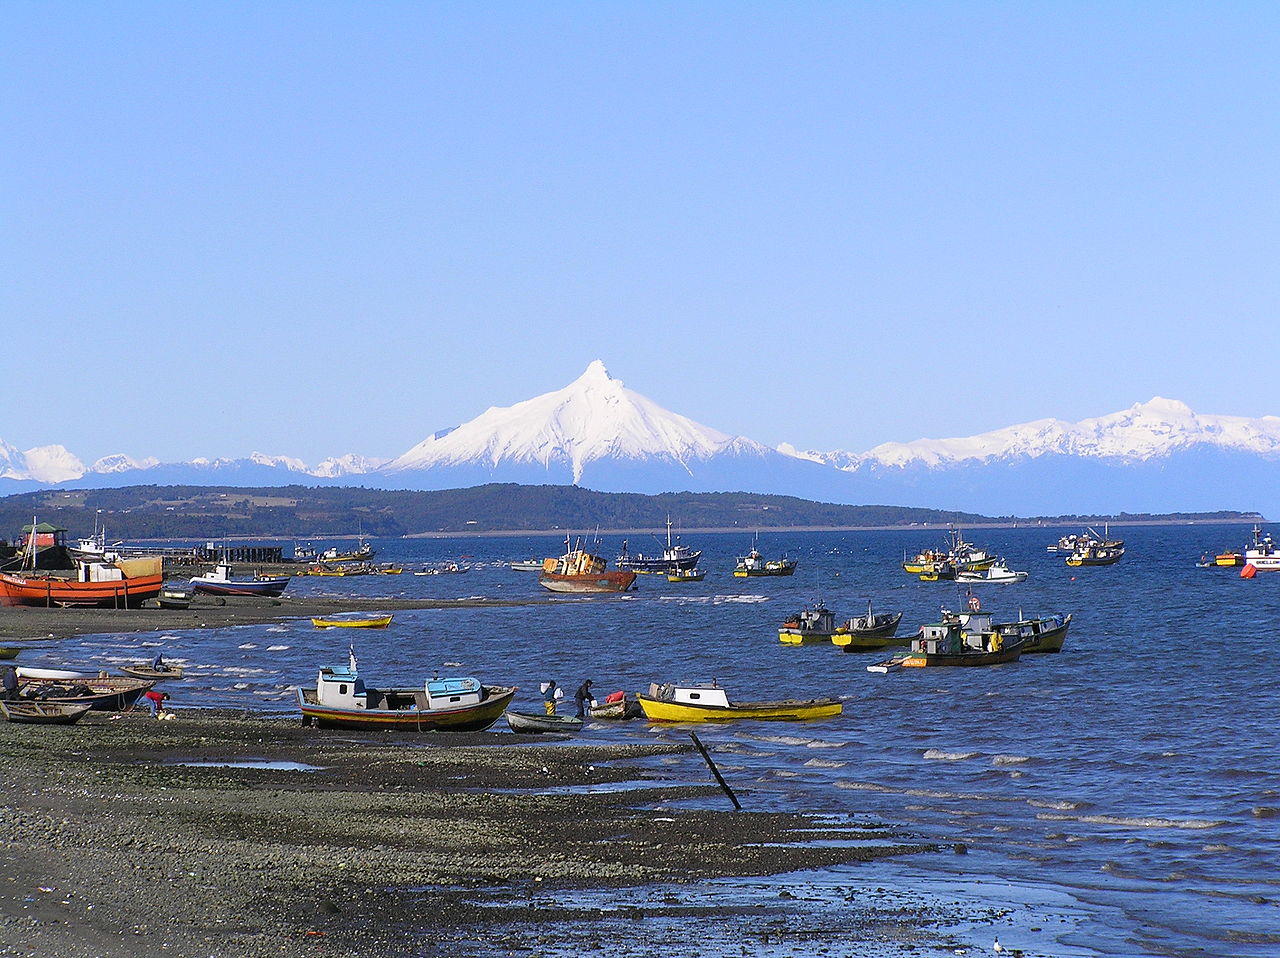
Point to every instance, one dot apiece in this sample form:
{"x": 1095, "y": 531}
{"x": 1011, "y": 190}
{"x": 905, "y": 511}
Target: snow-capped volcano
{"x": 1146, "y": 431}
{"x": 592, "y": 420}
{"x": 1156, "y": 456}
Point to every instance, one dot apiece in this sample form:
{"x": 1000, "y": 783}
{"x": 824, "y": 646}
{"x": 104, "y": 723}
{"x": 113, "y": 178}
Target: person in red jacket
{"x": 156, "y": 701}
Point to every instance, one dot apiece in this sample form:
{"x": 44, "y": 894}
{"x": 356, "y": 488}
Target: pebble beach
{"x": 229, "y": 833}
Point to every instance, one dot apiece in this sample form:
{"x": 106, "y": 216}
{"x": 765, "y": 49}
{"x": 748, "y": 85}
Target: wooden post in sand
{"x": 715, "y": 771}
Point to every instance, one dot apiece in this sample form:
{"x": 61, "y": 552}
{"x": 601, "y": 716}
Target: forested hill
{"x": 202, "y": 512}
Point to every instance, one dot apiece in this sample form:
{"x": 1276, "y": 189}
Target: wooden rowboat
{"x": 42, "y": 713}
{"x": 532, "y": 722}
{"x": 364, "y": 622}
{"x": 113, "y": 693}
{"x": 152, "y": 673}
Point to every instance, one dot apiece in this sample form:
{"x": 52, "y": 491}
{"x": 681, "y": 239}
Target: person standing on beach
{"x": 10, "y": 683}
{"x": 549, "y": 696}
{"x": 155, "y": 700}
{"x": 582, "y": 697}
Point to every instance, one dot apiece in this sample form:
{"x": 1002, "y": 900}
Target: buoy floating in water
{"x": 1249, "y": 571}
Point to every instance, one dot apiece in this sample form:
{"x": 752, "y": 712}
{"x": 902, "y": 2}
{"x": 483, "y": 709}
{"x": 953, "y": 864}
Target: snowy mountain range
{"x": 1157, "y": 456}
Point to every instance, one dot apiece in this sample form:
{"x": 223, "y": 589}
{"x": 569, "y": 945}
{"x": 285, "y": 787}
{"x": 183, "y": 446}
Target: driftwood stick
{"x": 715, "y": 771}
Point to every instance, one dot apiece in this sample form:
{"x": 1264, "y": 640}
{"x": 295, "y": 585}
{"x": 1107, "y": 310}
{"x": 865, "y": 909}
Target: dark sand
{"x": 441, "y": 844}
{"x": 117, "y": 846}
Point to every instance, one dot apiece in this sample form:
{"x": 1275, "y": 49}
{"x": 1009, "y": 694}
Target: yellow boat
{"x": 367, "y": 622}
{"x": 710, "y": 703}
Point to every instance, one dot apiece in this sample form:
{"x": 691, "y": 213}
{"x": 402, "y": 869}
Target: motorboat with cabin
{"x": 341, "y": 699}
{"x": 711, "y": 703}
{"x": 221, "y": 581}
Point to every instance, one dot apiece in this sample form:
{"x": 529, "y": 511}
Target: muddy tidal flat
{"x": 230, "y": 834}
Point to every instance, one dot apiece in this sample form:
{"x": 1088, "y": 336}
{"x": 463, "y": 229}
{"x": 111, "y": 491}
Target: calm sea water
{"x": 1120, "y": 798}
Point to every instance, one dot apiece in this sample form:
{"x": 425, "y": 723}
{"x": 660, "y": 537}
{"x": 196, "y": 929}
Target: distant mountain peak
{"x": 593, "y": 418}
{"x": 1159, "y": 406}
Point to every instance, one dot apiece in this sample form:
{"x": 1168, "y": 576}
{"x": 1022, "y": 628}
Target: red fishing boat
{"x": 121, "y": 584}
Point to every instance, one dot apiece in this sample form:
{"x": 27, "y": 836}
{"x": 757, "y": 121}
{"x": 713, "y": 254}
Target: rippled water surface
{"x": 1131, "y": 779}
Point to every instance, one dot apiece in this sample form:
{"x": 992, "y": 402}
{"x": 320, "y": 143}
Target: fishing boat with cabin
{"x": 875, "y": 630}
{"x": 221, "y": 581}
{"x": 675, "y": 558}
{"x": 125, "y": 583}
{"x": 998, "y": 573}
{"x": 1093, "y": 549}
{"x": 340, "y": 699}
{"x": 754, "y": 564}
{"x": 1047, "y": 633}
{"x": 580, "y": 571}
{"x": 711, "y": 703}
{"x": 809, "y": 626}
{"x": 1262, "y": 553}
{"x": 958, "y": 640}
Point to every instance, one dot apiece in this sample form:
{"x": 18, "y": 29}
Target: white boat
{"x": 998, "y": 573}
{"x": 1262, "y": 555}
{"x": 56, "y": 675}
{"x": 526, "y": 565}
{"x": 221, "y": 581}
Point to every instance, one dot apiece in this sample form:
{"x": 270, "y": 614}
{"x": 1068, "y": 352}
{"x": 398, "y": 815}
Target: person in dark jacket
{"x": 583, "y": 698}
{"x": 10, "y": 683}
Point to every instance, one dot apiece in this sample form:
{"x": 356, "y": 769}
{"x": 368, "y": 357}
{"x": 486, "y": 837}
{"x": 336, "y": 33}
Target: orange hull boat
{"x": 52, "y": 590}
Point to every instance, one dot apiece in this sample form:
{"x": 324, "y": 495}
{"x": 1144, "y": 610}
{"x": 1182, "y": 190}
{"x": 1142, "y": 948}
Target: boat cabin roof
{"x": 452, "y": 686}
{"x": 701, "y": 695}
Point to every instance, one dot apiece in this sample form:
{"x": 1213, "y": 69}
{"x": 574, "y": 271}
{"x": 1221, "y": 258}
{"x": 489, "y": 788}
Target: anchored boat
{"x": 997, "y": 573}
{"x": 354, "y": 622}
{"x": 754, "y": 564}
{"x": 875, "y": 630}
{"x": 1045, "y": 634}
{"x": 675, "y": 558}
{"x": 581, "y": 571}
{"x": 968, "y": 639}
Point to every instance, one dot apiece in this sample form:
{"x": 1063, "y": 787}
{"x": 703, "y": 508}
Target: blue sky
{"x": 319, "y": 228}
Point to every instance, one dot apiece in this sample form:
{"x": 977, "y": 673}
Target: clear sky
{"x": 316, "y": 228}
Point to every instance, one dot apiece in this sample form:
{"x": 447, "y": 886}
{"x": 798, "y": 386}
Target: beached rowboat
{"x": 42, "y": 713}
{"x": 532, "y": 722}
